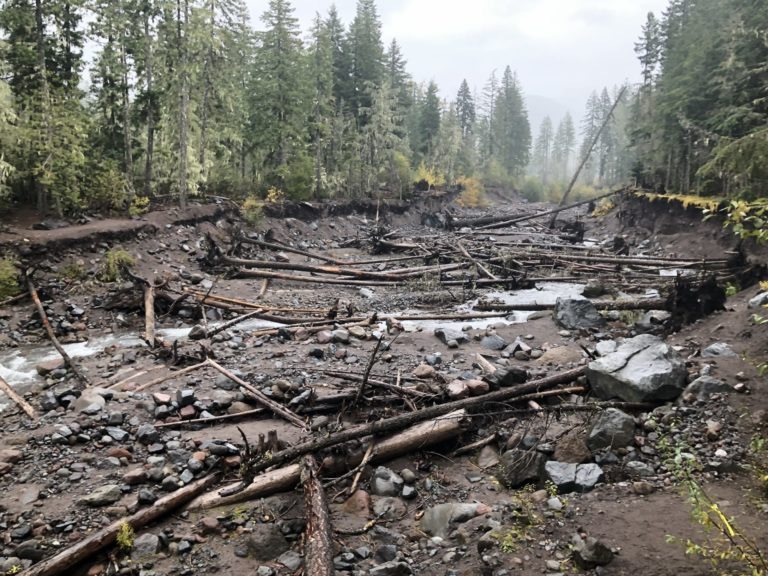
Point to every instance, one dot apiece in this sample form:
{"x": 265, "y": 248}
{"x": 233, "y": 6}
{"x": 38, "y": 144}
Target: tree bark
{"x": 318, "y": 537}
{"x": 18, "y": 400}
{"x": 150, "y": 152}
{"x": 183, "y": 100}
{"x": 49, "y": 329}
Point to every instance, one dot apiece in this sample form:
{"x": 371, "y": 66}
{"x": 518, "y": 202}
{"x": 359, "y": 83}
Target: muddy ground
{"x": 91, "y": 457}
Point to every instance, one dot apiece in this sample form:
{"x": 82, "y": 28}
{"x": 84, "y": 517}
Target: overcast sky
{"x": 561, "y": 49}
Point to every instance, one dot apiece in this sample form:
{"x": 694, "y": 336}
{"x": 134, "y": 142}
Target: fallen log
{"x": 278, "y": 409}
{"x": 149, "y": 314}
{"x": 225, "y": 326}
{"x": 318, "y": 536}
{"x": 415, "y": 438}
{"x": 86, "y": 548}
{"x": 404, "y": 420}
{"x": 18, "y": 400}
{"x": 49, "y": 329}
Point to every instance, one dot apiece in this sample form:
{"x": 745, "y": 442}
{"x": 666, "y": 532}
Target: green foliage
{"x": 9, "y": 279}
{"x": 472, "y": 193}
{"x": 72, "y": 272}
{"x": 125, "y": 537}
{"x": 116, "y": 262}
{"x": 252, "y": 210}
{"x": 728, "y": 548}
{"x": 746, "y": 219}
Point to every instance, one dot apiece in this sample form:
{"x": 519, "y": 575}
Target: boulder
{"x": 439, "y": 520}
{"x": 447, "y": 335}
{"x": 572, "y": 448}
{"x": 612, "y": 429}
{"x": 587, "y": 476}
{"x": 642, "y": 369}
{"x": 562, "y": 475}
{"x": 718, "y": 350}
{"x": 573, "y": 314}
{"x": 520, "y": 467}
{"x": 758, "y": 301}
{"x": 493, "y": 342}
{"x": 703, "y": 387}
{"x": 590, "y": 552}
{"x": 386, "y": 482}
{"x": 102, "y": 496}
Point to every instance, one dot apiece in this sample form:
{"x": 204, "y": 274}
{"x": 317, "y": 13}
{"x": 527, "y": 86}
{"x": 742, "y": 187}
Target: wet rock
{"x": 441, "y": 519}
{"x": 291, "y": 560}
{"x": 509, "y": 377}
{"x": 45, "y": 368}
{"x": 605, "y": 347}
{"x": 520, "y": 467}
{"x": 386, "y": 482}
{"x": 639, "y": 469}
{"x": 588, "y": 476}
{"x": 642, "y": 369}
{"x": 562, "y": 475}
{"x": 147, "y": 434}
{"x": 488, "y": 458}
{"x": 144, "y": 547}
{"x": 197, "y": 332}
{"x": 389, "y": 508}
{"x": 590, "y": 552}
{"x": 457, "y": 390}
{"x": 359, "y": 504}
{"x": 718, "y": 350}
{"x": 447, "y": 335}
{"x": 493, "y": 342}
{"x": 102, "y": 496}
{"x": 612, "y": 429}
{"x": 704, "y": 387}
{"x": 266, "y": 542}
{"x": 574, "y": 314}
{"x": 758, "y": 301}
{"x": 424, "y": 371}
{"x": 572, "y": 448}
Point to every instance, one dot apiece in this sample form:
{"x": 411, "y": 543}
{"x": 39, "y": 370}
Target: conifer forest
{"x": 188, "y": 97}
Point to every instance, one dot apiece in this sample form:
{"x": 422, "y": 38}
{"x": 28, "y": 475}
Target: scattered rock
{"x": 145, "y": 546}
{"x": 572, "y": 448}
{"x": 642, "y": 369}
{"x": 612, "y": 429}
{"x": 457, "y": 390}
{"x": 758, "y": 301}
{"x": 704, "y": 387}
{"x": 447, "y": 335}
{"x": 562, "y": 475}
{"x": 386, "y": 482}
{"x": 488, "y": 458}
{"x": 493, "y": 342}
{"x": 520, "y": 467}
{"x": 102, "y": 496}
{"x": 590, "y": 552}
{"x": 424, "y": 371}
{"x": 266, "y": 542}
{"x": 718, "y": 350}
{"x": 439, "y": 520}
{"x": 573, "y": 314}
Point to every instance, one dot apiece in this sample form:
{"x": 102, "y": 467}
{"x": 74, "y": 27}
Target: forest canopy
{"x": 179, "y": 98}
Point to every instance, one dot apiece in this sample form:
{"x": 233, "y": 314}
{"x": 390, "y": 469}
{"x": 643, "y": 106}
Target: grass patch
{"x": 117, "y": 261}
{"x": 9, "y": 279}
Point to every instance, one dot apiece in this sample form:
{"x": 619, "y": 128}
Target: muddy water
{"x": 18, "y": 366}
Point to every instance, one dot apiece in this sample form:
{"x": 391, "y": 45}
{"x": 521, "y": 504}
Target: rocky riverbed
{"x": 582, "y": 476}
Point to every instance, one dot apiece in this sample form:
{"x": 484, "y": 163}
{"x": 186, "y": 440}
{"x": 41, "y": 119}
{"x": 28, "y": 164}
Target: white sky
{"x": 561, "y": 49}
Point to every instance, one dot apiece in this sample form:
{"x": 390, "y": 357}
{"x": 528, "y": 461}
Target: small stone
{"x": 385, "y": 482}
{"x": 185, "y": 398}
{"x": 458, "y": 389}
{"x": 145, "y": 546}
{"x": 590, "y": 552}
{"x": 424, "y": 371}
{"x": 359, "y": 504}
{"x": 642, "y": 488}
{"x": 102, "y": 496}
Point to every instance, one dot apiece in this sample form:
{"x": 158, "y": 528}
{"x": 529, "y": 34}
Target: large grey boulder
{"x": 612, "y": 429}
{"x": 704, "y": 387}
{"x": 574, "y": 314}
{"x": 642, "y": 369}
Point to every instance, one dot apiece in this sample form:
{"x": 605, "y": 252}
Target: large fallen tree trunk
{"x": 396, "y": 423}
{"x": 415, "y": 438}
{"x": 648, "y": 304}
{"x": 86, "y": 548}
{"x": 318, "y": 537}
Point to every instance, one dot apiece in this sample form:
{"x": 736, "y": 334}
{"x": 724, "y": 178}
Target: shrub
{"x": 125, "y": 537}
{"x": 9, "y": 280}
{"x": 116, "y": 262}
{"x": 252, "y": 210}
{"x": 472, "y": 193}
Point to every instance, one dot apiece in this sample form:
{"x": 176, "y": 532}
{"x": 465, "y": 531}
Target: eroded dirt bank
{"x": 464, "y": 316}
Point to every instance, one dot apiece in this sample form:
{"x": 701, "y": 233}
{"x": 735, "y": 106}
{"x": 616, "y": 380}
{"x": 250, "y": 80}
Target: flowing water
{"x": 18, "y": 366}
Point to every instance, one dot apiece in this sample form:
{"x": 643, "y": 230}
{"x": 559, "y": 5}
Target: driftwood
{"x": 367, "y": 373}
{"x": 149, "y": 314}
{"x": 49, "y": 329}
{"x": 399, "y": 422}
{"x": 318, "y": 537}
{"x": 278, "y": 409}
{"x": 225, "y": 326}
{"x": 18, "y": 400}
{"x": 415, "y": 438}
{"x": 86, "y": 548}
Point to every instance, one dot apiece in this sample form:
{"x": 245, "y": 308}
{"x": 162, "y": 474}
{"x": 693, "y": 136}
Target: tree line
{"x": 184, "y": 97}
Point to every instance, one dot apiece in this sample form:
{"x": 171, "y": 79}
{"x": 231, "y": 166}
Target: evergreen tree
{"x": 366, "y": 56}
{"x": 648, "y": 49}
{"x": 563, "y": 147}
{"x": 465, "y": 110}
{"x": 510, "y": 128}
{"x": 542, "y": 150}
{"x": 429, "y": 122}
